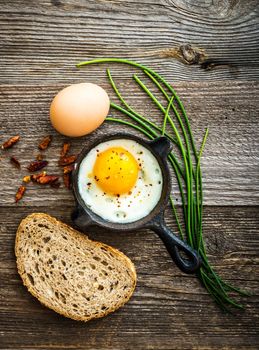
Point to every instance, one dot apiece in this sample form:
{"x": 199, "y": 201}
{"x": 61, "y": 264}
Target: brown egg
{"x": 79, "y": 109}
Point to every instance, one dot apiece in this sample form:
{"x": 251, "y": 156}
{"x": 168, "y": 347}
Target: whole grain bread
{"x": 69, "y": 273}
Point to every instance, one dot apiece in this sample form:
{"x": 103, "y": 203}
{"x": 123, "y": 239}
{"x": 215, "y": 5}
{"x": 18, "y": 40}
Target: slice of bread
{"x": 68, "y": 272}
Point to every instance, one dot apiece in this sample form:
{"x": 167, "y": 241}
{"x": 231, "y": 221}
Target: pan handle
{"x": 174, "y": 246}
{"x": 80, "y": 218}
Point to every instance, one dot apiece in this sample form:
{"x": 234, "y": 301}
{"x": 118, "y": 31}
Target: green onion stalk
{"x": 176, "y": 127}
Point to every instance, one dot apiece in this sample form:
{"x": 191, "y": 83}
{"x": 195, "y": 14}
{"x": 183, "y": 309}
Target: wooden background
{"x": 41, "y": 41}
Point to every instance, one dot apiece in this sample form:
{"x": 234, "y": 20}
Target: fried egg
{"x": 120, "y": 180}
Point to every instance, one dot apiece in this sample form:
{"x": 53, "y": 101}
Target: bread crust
{"x": 83, "y": 239}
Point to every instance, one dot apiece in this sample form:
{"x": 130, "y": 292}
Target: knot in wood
{"x": 191, "y": 55}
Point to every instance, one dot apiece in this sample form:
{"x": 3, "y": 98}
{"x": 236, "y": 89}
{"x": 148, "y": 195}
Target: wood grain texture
{"x": 169, "y": 310}
{"x": 209, "y": 50}
{"x": 229, "y": 109}
{"x": 42, "y": 40}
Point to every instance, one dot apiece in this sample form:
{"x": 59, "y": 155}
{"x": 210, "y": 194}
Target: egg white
{"x": 127, "y": 207}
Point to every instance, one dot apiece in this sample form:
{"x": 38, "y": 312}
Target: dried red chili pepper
{"x": 68, "y": 169}
{"x": 66, "y": 179}
{"x": 47, "y": 179}
{"x": 15, "y": 162}
{"x": 26, "y": 178}
{"x": 55, "y": 184}
{"x": 67, "y": 160}
{"x": 44, "y": 144}
{"x": 19, "y": 194}
{"x": 35, "y": 177}
{"x": 37, "y": 165}
{"x": 9, "y": 143}
{"x": 65, "y": 149}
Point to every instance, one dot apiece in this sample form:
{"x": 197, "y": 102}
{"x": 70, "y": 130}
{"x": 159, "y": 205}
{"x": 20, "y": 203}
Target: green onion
{"x": 166, "y": 115}
{"x": 189, "y": 178}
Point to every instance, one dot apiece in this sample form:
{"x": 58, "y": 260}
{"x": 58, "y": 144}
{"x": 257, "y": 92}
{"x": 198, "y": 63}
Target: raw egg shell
{"x": 79, "y": 109}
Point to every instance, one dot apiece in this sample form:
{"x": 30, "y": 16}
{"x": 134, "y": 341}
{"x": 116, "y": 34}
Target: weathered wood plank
{"x": 44, "y": 42}
{"x": 229, "y": 109}
{"x": 169, "y": 310}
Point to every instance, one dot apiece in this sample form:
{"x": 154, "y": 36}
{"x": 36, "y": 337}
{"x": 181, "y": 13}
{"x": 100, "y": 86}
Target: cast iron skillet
{"x": 83, "y": 217}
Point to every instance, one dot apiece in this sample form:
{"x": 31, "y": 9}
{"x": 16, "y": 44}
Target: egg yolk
{"x": 115, "y": 170}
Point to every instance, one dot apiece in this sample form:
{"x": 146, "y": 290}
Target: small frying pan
{"x": 83, "y": 217}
